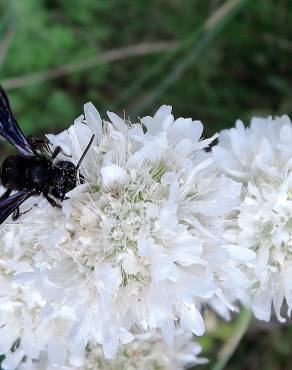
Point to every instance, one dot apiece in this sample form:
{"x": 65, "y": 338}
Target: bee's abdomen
{"x": 25, "y": 173}
{"x": 37, "y": 176}
{"x": 12, "y": 174}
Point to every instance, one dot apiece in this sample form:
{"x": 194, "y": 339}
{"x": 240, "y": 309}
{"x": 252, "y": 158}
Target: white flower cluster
{"x": 147, "y": 352}
{"x": 156, "y": 229}
{"x": 260, "y": 158}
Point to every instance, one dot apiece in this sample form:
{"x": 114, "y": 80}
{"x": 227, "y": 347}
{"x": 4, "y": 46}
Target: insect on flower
{"x": 31, "y": 172}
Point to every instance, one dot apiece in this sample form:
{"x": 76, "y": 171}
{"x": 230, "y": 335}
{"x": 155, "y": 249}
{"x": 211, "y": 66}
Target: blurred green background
{"x": 213, "y": 60}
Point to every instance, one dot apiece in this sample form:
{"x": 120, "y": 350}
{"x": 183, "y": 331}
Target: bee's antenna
{"x": 85, "y": 151}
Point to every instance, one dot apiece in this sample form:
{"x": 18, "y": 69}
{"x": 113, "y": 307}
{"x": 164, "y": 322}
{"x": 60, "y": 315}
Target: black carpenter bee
{"x": 31, "y": 172}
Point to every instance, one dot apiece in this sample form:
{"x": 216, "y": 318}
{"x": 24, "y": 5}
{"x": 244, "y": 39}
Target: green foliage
{"x": 246, "y": 71}
{"x": 265, "y": 346}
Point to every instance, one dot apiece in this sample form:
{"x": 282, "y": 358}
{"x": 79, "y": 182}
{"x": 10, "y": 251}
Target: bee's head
{"x": 66, "y": 167}
{"x": 65, "y": 178}
{"x": 65, "y": 175}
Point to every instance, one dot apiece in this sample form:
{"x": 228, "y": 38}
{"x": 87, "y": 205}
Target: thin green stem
{"x": 77, "y": 67}
{"x": 230, "y": 346}
{"x": 199, "y": 40}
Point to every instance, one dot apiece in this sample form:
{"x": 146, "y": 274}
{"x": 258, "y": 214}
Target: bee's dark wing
{"x": 9, "y": 128}
{"x": 10, "y": 204}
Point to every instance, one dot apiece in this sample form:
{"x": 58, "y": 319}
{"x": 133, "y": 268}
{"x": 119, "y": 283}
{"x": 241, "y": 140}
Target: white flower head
{"x": 147, "y": 352}
{"x": 260, "y": 157}
{"x": 27, "y": 328}
{"x": 139, "y": 244}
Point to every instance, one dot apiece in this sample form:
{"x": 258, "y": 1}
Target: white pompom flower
{"x": 139, "y": 244}
{"x": 147, "y": 352}
{"x": 24, "y": 335}
{"x": 260, "y": 157}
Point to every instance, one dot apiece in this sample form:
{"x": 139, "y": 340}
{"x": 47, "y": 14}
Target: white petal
{"x": 129, "y": 262}
{"x": 117, "y": 121}
{"x": 125, "y": 336}
{"x": 191, "y": 319}
{"x": 113, "y": 175}
{"x": 12, "y": 360}
{"x": 163, "y": 112}
{"x": 240, "y": 253}
{"x": 160, "y": 310}
{"x": 110, "y": 346}
{"x": 185, "y": 128}
{"x": 93, "y": 120}
{"x": 261, "y": 305}
{"x": 163, "y": 268}
{"x": 57, "y": 351}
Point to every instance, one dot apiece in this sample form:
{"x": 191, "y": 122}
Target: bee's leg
{"x": 6, "y": 194}
{"x": 52, "y": 201}
{"x": 57, "y": 150}
{"x": 35, "y": 141}
{"x": 63, "y": 196}
{"x": 82, "y": 179}
{"x": 55, "y": 153}
{"x": 15, "y": 345}
{"x": 16, "y": 214}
